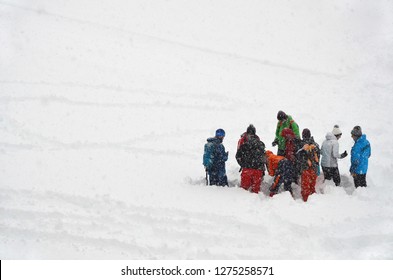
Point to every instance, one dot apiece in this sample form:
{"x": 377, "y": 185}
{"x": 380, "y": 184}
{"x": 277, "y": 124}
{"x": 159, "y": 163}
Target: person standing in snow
{"x": 292, "y": 145}
{"x": 251, "y": 158}
{"x": 214, "y": 159}
{"x": 330, "y": 154}
{"x": 308, "y": 157}
{"x": 284, "y": 121}
{"x": 360, "y": 153}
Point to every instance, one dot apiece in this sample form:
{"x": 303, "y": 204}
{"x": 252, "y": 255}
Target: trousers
{"x": 251, "y": 179}
{"x": 332, "y": 173}
{"x": 360, "y": 180}
{"x": 308, "y": 181}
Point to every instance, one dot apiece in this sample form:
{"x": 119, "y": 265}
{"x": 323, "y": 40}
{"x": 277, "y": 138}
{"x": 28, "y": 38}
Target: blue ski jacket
{"x": 360, "y": 153}
{"x": 214, "y": 157}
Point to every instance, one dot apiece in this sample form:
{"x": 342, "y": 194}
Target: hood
{"x": 214, "y": 140}
{"x": 330, "y": 136}
{"x": 288, "y": 133}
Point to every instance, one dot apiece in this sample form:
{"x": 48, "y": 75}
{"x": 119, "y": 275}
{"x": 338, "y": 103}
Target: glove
{"x": 344, "y": 154}
{"x": 275, "y": 142}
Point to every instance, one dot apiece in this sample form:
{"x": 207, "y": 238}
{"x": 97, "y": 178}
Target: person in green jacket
{"x": 284, "y": 121}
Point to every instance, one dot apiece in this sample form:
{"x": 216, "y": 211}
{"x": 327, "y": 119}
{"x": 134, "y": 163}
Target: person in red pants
{"x": 251, "y": 158}
{"x": 308, "y": 157}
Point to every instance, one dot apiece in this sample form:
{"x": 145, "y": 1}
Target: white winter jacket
{"x": 329, "y": 151}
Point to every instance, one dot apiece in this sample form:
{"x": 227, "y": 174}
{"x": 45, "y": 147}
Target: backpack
{"x": 252, "y": 154}
{"x": 208, "y": 155}
{"x": 259, "y": 150}
{"x": 310, "y": 157}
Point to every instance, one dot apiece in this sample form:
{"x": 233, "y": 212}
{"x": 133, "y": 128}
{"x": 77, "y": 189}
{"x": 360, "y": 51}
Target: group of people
{"x": 298, "y": 160}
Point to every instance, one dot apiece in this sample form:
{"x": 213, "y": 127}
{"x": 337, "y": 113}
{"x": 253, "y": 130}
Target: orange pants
{"x": 308, "y": 181}
{"x": 251, "y": 179}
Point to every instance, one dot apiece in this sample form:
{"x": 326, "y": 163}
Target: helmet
{"x": 220, "y": 132}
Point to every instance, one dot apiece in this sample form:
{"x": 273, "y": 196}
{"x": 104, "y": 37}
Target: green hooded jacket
{"x": 288, "y": 123}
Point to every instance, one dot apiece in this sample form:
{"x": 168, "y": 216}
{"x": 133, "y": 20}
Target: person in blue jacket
{"x": 214, "y": 159}
{"x": 360, "y": 153}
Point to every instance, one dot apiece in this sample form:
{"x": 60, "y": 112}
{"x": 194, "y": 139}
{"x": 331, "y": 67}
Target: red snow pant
{"x": 308, "y": 181}
{"x": 251, "y": 179}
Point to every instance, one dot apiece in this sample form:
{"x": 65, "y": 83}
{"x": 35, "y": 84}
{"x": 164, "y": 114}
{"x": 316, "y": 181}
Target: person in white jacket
{"x": 330, "y": 154}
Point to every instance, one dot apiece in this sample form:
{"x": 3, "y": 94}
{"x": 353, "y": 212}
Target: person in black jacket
{"x": 251, "y": 158}
{"x": 308, "y": 157}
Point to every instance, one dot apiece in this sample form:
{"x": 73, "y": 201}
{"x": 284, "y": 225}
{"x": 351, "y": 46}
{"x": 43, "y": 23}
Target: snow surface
{"x": 105, "y": 107}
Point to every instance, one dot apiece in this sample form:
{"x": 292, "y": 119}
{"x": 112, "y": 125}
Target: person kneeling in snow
{"x": 281, "y": 169}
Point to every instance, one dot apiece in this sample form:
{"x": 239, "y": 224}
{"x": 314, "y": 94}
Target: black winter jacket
{"x": 251, "y": 154}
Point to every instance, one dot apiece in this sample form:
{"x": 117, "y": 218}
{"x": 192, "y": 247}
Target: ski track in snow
{"x": 114, "y": 229}
{"x": 131, "y": 231}
{"x": 99, "y": 226}
{"x": 130, "y": 98}
{"x": 179, "y": 44}
{"x": 39, "y": 142}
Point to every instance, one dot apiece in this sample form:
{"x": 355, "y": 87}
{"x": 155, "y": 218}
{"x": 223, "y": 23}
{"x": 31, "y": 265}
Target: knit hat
{"x": 357, "y": 131}
{"x": 281, "y": 116}
{"x": 306, "y": 134}
{"x": 220, "y": 132}
{"x": 336, "y": 130}
{"x": 251, "y": 130}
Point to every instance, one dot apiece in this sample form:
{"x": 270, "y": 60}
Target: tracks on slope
{"x": 104, "y": 224}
